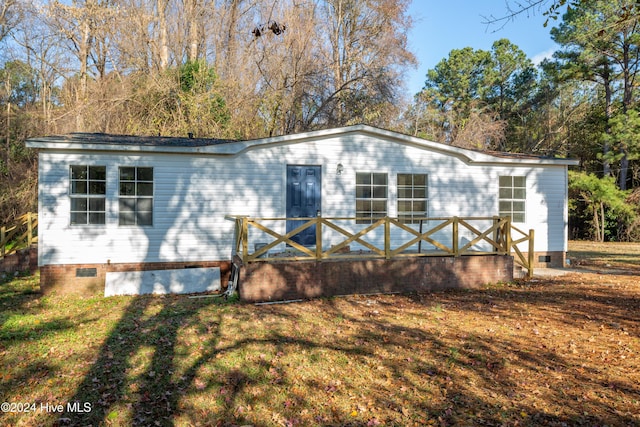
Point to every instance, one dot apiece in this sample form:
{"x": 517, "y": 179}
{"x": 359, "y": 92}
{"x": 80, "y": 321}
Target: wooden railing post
{"x": 507, "y": 236}
{"x": 454, "y": 233}
{"x": 237, "y": 236}
{"x": 387, "y": 238}
{"x": 318, "y": 238}
{"x": 29, "y": 229}
{"x": 530, "y": 254}
{"x": 3, "y": 234}
{"x": 245, "y": 239}
{"x": 496, "y": 233}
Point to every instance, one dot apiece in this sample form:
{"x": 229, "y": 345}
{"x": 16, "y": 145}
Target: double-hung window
{"x": 136, "y": 196}
{"x": 371, "y": 196}
{"x": 88, "y": 189}
{"x": 413, "y": 197}
{"x": 513, "y": 197}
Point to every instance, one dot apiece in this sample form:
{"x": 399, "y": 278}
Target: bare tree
{"x": 481, "y": 131}
{"x": 42, "y": 50}
{"x": 284, "y": 59}
{"x": 365, "y": 44}
{"x": 8, "y": 17}
{"x": 83, "y": 24}
{"x": 194, "y": 11}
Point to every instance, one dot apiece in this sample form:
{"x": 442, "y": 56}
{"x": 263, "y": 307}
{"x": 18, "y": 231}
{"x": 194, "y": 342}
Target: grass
{"x": 556, "y": 352}
{"x": 611, "y": 254}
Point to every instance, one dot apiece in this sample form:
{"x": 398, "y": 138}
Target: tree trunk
{"x": 337, "y": 68}
{"x": 606, "y": 166}
{"x": 627, "y": 99}
{"x": 83, "y": 54}
{"x": 602, "y": 222}
{"x": 194, "y": 22}
{"x": 164, "y": 38}
{"x": 7, "y": 152}
{"x": 230, "y": 48}
{"x": 624, "y": 171}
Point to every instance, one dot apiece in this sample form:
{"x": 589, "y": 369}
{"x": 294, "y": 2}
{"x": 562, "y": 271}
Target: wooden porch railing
{"x": 497, "y": 239}
{"x": 22, "y": 233}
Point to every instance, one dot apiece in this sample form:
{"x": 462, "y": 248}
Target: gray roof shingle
{"x": 151, "y": 141}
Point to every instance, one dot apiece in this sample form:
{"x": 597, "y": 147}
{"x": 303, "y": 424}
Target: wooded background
{"x": 239, "y": 69}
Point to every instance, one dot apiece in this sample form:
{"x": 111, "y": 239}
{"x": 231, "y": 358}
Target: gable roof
{"x": 222, "y": 147}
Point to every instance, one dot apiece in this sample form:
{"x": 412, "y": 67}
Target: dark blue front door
{"x": 303, "y": 200}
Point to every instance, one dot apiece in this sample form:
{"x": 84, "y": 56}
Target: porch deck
{"x": 365, "y": 255}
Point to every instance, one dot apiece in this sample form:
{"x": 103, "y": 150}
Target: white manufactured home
{"x": 125, "y": 210}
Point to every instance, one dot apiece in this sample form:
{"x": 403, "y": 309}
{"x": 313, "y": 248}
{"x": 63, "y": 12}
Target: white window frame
{"x": 135, "y": 196}
{"x": 372, "y": 196}
{"x": 413, "y": 195}
{"x": 87, "y": 194}
{"x": 512, "y": 197}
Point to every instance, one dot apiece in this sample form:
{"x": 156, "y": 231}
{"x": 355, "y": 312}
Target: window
{"x": 513, "y": 194}
{"x": 413, "y": 193}
{"x": 371, "y": 196}
{"x": 88, "y": 189}
{"x": 136, "y": 196}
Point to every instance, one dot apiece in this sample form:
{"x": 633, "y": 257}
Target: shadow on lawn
{"x": 17, "y": 292}
{"x": 149, "y": 394}
{"x": 443, "y": 373}
{"x": 485, "y": 374}
{"x": 122, "y": 380}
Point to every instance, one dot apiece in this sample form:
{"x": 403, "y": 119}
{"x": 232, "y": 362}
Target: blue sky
{"x": 443, "y": 25}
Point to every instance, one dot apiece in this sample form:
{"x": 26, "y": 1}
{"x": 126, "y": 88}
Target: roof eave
{"x": 76, "y": 146}
{"x": 237, "y": 147}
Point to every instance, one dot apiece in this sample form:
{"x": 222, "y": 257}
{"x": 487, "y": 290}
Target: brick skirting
{"x": 21, "y": 260}
{"x": 556, "y": 259}
{"x": 89, "y": 279}
{"x": 282, "y": 280}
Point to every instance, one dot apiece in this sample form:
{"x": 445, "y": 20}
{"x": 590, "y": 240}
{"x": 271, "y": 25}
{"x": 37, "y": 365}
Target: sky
{"x": 443, "y": 25}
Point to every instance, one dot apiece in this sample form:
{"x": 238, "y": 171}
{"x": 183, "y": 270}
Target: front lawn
{"x": 557, "y": 352}
{"x": 608, "y": 255}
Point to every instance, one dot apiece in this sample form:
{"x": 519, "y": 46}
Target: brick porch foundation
{"x": 282, "y": 280}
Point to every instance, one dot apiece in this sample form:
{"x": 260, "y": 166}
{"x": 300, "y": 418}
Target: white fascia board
{"x": 235, "y": 148}
{"x": 469, "y": 156}
{"x": 84, "y": 147}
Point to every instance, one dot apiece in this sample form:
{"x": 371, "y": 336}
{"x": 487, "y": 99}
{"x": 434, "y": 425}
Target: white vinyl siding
{"x": 192, "y": 194}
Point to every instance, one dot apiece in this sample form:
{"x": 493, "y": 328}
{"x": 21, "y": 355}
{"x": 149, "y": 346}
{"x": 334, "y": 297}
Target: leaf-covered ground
{"x": 556, "y": 352}
{"x": 610, "y": 255}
